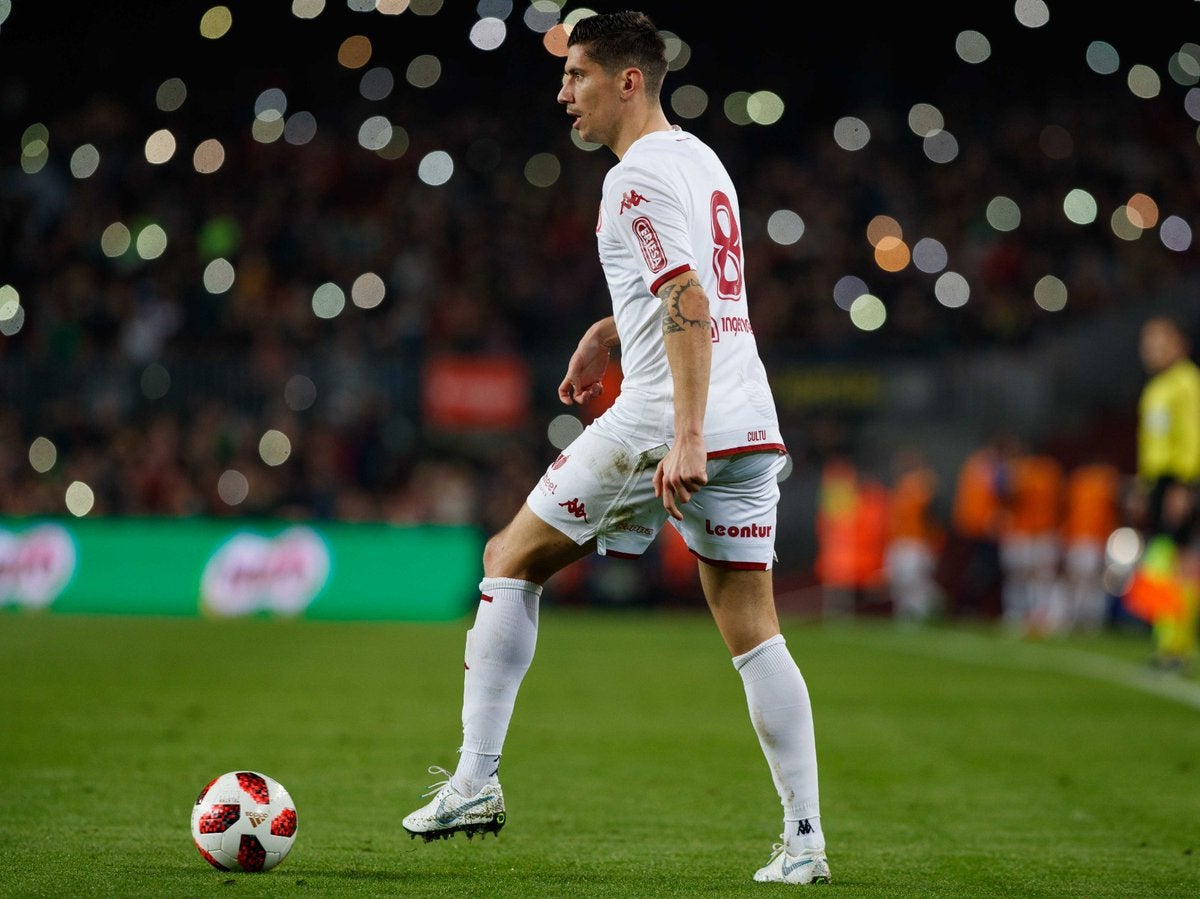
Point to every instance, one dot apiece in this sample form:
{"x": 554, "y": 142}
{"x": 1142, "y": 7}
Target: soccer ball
{"x": 244, "y": 821}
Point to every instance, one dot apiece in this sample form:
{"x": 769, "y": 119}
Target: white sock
{"x": 781, "y": 713}
{"x": 499, "y": 651}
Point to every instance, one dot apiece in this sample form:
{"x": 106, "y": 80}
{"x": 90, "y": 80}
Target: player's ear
{"x": 631, "y": 80}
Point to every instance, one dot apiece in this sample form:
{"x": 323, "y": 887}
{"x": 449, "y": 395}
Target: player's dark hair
{"x": 617, "y": 40}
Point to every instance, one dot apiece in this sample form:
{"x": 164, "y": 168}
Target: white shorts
{"x": 601, "y": 487}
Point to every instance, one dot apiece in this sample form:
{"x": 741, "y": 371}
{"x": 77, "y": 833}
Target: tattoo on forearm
{"x": 674, "y": 318}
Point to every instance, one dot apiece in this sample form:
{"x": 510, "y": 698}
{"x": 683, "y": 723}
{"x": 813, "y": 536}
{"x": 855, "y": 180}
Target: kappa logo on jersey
{"x": 631, "y": 198}
{"x": 652, "y": 251}
{"x": 576, "y": 508}
{"x": 560, "y": 461}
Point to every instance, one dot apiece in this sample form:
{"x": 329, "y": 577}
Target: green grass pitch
{"x": 954, "y": 762}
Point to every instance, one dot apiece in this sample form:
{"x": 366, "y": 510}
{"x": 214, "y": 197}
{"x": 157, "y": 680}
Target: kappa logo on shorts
{"x": 576, "y": 508}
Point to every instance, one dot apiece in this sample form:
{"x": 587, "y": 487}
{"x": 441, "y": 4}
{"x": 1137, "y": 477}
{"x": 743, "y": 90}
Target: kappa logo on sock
{"x": 803, "y": 828}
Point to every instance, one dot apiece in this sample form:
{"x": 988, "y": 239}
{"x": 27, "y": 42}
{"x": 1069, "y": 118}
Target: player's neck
{"x": 654, "y": 120}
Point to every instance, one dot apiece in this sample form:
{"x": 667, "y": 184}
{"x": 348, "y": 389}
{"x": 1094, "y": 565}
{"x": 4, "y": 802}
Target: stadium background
{"x": 219, "y": 305}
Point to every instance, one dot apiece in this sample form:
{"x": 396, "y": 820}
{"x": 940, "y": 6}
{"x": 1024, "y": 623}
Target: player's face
{"x": 591, "y": 97}
{"x": 1159, "y": 346}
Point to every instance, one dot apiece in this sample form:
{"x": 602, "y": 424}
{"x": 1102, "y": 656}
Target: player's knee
{"x": 495, "y": 559}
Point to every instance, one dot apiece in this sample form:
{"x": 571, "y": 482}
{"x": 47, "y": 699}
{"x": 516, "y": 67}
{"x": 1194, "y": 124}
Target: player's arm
{"x": 687, "y": 338}
{"x": 585, "y": 371}
{"x": 1187, "y": 436}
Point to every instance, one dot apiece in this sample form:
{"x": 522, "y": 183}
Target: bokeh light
{"x": 354, "y": 52}
{"x": 79, "y": 498}
{"x": 218, "y": 275}
{"x": 1144, "y": 82}
{"x": 151, "y": 241}
{"x": 1050, "y": 293}
{"x": 851, "y": 133}
{"x": 299, "y": 393}
{"x": 543, "y": 170}
{"x": 1032, "y": 13}
{"x": 424, "y": 71}
{"x": 689, "y": 101}
{"x": 563, "y": 429}
{"x": 488, "y": 33}
{"x": 170, "y": 95}
{"x": 892, "y": 254}
{"x": 785, "y": 227}
{"x": 1003, "y": 213}
{"x": 115, "y": 240}
{"x": 436, "y": 168}
{"x": 929, "y": 255}
{"x": 882, "y": 226}
{"x": 160, "y": 147}
{"x": 43, "y": 454}
{"x": 301, "y": 128}
{"x": 764, "y": 107}
{"x": 1102, "y": 58}
{"x": 925, "y": 119}
{"x": 736, "y": 108}
{"x": 1175, "y": 234}
{"x": 328, "y": 300}
{"x": 972, "y": 46}
{"x": 307, "y": 9}
{"x": 1122, "y": 225}
{"x": 208, "y": 157}
{"x": 377, "y": 83}
{"x": 940, "y": 147}
{"x": 1080, "y": 206}
{"x": 232, "y": 487}
{"x": 375, "y": 133}
{"x": 84, "y": 161}
{"x": 1142, "y": 211}
{"x": 216, "y": 22}
{"x": 274, "y": 447}
{"x": 868, "y": 313}
{"x": 367, "y": 291}
{"x": 952, "y": 290}
{"x": 848, "y": 289}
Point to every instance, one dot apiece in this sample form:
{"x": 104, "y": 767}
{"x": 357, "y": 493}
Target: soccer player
{"x": 692, "y": 438}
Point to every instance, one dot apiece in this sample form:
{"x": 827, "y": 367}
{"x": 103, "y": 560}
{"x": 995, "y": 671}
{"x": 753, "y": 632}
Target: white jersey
{"x": 669, "y": 206}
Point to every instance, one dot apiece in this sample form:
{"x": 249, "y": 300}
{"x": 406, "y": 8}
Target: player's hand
{"x": 584, "y": 373}
{"x": 680, "y": 474}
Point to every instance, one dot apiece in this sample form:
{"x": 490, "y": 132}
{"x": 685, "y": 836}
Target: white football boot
{"x": 450, "y": 812}
{"x": 807, "y": 867}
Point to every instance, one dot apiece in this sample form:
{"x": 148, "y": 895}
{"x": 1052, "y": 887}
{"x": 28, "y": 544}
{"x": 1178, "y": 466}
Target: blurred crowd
{"x": 1017, "y": 535}
{"x": 149, "y": 386}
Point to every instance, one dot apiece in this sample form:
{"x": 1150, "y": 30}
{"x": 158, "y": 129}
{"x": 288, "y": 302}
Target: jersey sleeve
{"x": 651, "y": 223}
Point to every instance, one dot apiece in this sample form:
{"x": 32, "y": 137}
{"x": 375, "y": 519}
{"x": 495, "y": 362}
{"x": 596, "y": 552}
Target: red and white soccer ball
{"x": 244, "y": 821}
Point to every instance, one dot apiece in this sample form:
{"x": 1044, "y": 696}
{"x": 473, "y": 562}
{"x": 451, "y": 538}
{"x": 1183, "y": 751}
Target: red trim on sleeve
{"x": 757, "y": 448}
{"x": 667, "y": 276}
